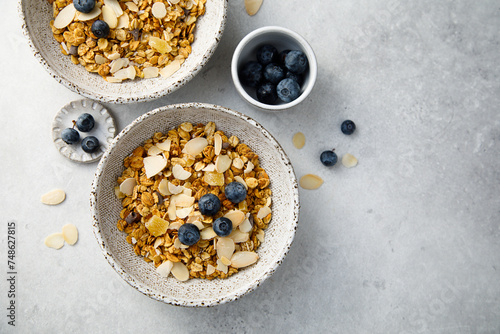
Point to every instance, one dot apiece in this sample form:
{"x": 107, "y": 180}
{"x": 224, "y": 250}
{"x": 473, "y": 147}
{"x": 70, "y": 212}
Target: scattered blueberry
{"x": 288, "y": 90}
{"x": 84, "y": 6}
{"x": 274, "y": 73}
{"x": 266, "y": 93}
{"x": 85, "y": 122}
{"x": 90, "y": 144}
{"x": 251, "y": 74}
{"x": 70, "y": 136}
{"x": 348, "y": 127}
{"x": 267, "y": 54}
{"x": 222, "y": 226}
{"x": 100, "y": 29}
{"x": 235, "y": 192}
{"x": 188, "y": 234}
{"x": 296, "y": 61}
{"x": 294, "y": 76}
{"x": 209, "y": 204}
{"x": 328, "y": 158}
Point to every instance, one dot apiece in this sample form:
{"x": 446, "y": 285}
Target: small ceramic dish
{"x": 282, "y": 39}
{"x": 104, "y": 129}
{"x": 141, "y": 275}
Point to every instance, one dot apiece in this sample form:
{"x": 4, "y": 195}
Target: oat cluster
{"x": 147, "y": 38}
{"x": 160, "y": 188}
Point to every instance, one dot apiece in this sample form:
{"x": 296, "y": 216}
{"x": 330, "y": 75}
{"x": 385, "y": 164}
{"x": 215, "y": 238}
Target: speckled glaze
{"x": 36, "y": 15}
{"x": 133, "y": 269}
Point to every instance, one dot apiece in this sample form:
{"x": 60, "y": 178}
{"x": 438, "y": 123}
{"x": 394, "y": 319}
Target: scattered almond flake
{"x": 180, "y": 173}
{"x": 163, "y": 188}
{"x": 65, "y": 17}
{"x": 88, "y": 16}
{"x": 263, "y": 212}
{"x": 195, "y": 146}
{"x": 236, "y": 216}
{"x": 239, "y": 236}
{"x": 249, "y": 168}
{"x": 207, "y": 233}
{"x": 154, "y": 150}
{"x": 109, "y": 16}
{"x": 53, "y": 197}
{"x": 261, "y": 235}
{"x": 113, "y": 56}
{"x": 209, "y": 168}
{"x": 243, "y": 259}
{"x": 158, "y": 242}
{"x": 182, "y": 200}
{"x": 125, "y": 73}
{"x": 349, "y": 160}
{"x": 134, "y": 241}
{"x": 199, "y": 166}
{"x": 65, "y": 47}
{"x": 100, "y": 59}
{"x": 159, "y": 10}
{"x": 217, "y": 143}
{"x": 171, "y": 211}
{"x": 118, "y": 193}
{"x": 123, "y": 21}
{"x": 174, "y": 2}
{"x": 225, "y": 247}
{"x": 132, "y": 6}
{"x": 165, "y": 145}
{"x": 154, "y": 165}
{"x": 180, "y": 271}
{"x": 174, "y": 226}
{"x": 238, "y": 163}
{"x": 55, "y": 240}
{"x": 170, "y": 69}
{"x": 214, "y": 178}
{"x": 221, "y": 266}
{"x": 268, "y": 202}
{"x": 157, "y": 226}
{"x": 151, "y": 72}
{"x": 113, "y": 79}
{"x": 299, "y": 140}
{"x": 310, "y": 181}
{"x": 117, "y": 64}
{"x": 70, "y": 234}
{"x": 187, "y": 191}
{"x": 194, "y": 216}
{"x": 174, "y": 190}
{"x": 177, "y": 243}
{"x": 164, "y": 269}
{"x": 160, "y": 45}
{"x": 222, "y": 163}
{"x": 239, "y": 179}
{"x": 252, "y": 6}
{"x": 115, "y": 6}
{"x": 184, "y": 212}
{"x": 246, "y": 226}
{"x": 198, "y": 224}
{"x": 225, "y": 261}
{"x": 210, "y": 269}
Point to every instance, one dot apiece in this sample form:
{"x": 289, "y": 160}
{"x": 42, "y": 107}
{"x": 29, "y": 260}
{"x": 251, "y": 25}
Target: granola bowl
{"x": 106, "y": 207}
{"x": 206, "y": 30}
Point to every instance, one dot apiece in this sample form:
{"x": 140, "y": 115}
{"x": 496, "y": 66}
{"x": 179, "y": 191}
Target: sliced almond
{"x": 239, "y": 236}
{"x": 236, "y": 216}
{"x": 246, "y": 226}
{"x": 180, "y": 271}
{"x": 170, "y": 69}
{"x": 182, "y": 200}
{"x": 299, "y": 140}
{"x": 70, "y": 234}
{"x": 221, "y": 266}
{"x": 195, "y": 146}
{"x": 100, "y": 59}
{"x": 174, "y": 190}
{"x": 263, "y": 212}
{"x": 207, "y": 233}
{"x": 55, "y": 240}
{"x": 118, "y": 63}
{"x": 115, "y": 6}
{"x": 252, "y": 6}
{"x": 157, "y": 226}
{"x": 225, "y": 261}
{"x": 225, "y": 247}
{"x": 125, "y": 73}
{"x": 159, "y": 10}
{"x": 112, "y": 79}
{"x": 222, "y": 163}
{"x": 310, "y": 181}
{"x": 239, "y": 179}
{"x": 89, "y": 16}
{"x": 115, "y": 56}
{"x": 109, "y": 16}
{"x": 53, "y": 197}
{"x": 154, "y": 150}
{"x": 217, "y": 143}
{"x": 238, "y": 163}
{"x": 163, "y": 187}
{"x": 243, "y": 259}
{"x": 260, "y": 235}
{"x": 65, "y": 17}
{"x": 198, "y": 224}
{"x": 151, "y": 72}
{"x": 209, "y": 168}
{"x": 250, "y": 167}
{"x": 165, "y": 145}
{"x": 349, "y": 160}
{"x": 174, "y": 226}
{"x": 184, "y": 212}
{"x": 164, "y": 269}
{"x": 123, "y": 21}
{"x": 118, "y": 193}
{"x": 154, "y": 165}
{"x": 210, "y": 269}
{"x": 180, "y": 173}
{"x": 194, "y": 216}
{"x": 171, "y": 211}
{"x": 132, "y": 6}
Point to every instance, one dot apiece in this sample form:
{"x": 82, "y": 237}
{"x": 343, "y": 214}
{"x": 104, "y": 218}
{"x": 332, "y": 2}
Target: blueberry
{"x": 288, "y": 90}
{"x": 84, "y": 6}
{"x": 222, "y": 226}
{"x": 294, "y": 76}
{"x": 90, "y": 144}
{"x": 282, "y": 57}
{"x": 267, "y": 54}
{"x": 251, "y": 74}
{"x": 85, "y": 122}
{"x": 348, "y": 127}
{"x": 266, "y": 93}
{"x": 235, "y": 192}
{"x": 188, "y": 234}
{"x": 100, "y": 29}
{"x": 328, "y": 158}
{"x": 274, "y": 73}
{"x": 209, "y": 204}
{"x": 296, "y": 61}
{"x": 70, "y": 136}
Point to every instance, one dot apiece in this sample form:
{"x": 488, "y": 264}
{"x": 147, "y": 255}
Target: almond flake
{"x": 154, "y": 165}
{"x": 221, "y": 266}
{"x": 165, "y": 145}
{"x": 239, "y": 179}
{"x": 174, "y": 226}
{"x": 89, "y": 16}
{"x": 180, "y": 271}
{"x": 184, "y": 212}
{"x": 125, "y": 73}
{"x": 236, "y": 216}
{"x": 100, "y": 59}
{"x": 349, "y": 160}
{"x": 154, "y": 150}
{"x": 195, "y": 146}
{"x": 54, "y": 197}
{"x": 151, "y": 72}
{"x": 261, "y": 235}
{"x": 217, "y": 143}
{"x": 222, "y": 163}
{"x": 164, "y": 269}
{"x": 159, "y": 10}
{"x": 170, "y": 69}
{"x": 299, "y": 140}
{"x": 238, "y": 163}
{"x": 209, "y": 168}
{"x": 182, "y": 200}
{"x": 132, "y": 6}
{"x": 157, "y": 226}
{"x": 225, "y": 247}
{"x": 127, "y": 186}
{"x": 65, "y": 17}
{"x": 115, "y": 6}
{"x": 109, "y": 16}
{"x": 180, "y": 173}
{"x": 171, "y": 211}
{"x": 246, "y": 226}
{"x": 310, "y": 181}
{"x": 239, "y": 236}
{"x": 118, "y": 193}
{"x": 263, "y": 212}
{"x": 118, "y": 63}
{"x": 225, "y": 261}
{"x": 249, "y": 168}
{"x": 252, "y": 6}
{"x": 163, "y": 188}
{"x": 55, "y": 240}
{"x": 243, "y": 259}
{"x": 113, "y": 79}
{"x": 123, "y": 21}
{"x": 174, "y": 190}
{"x": 207, "y": 233}
{"x": 210, "y": 269}
{"x": 70, "y": 234}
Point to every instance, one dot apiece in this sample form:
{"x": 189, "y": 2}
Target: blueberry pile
{"x": 84, "y": 123}
{"x": 276, "y": 76}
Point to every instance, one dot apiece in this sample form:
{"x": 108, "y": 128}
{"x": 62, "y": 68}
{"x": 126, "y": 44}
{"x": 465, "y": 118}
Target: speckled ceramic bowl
{"x": 195, "y": 292}
{"x": 36, "y": 15}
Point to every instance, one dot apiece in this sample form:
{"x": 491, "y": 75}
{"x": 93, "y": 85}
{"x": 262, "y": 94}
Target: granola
{"x": 147, "y": 38}
{"x": 161, "y": 185}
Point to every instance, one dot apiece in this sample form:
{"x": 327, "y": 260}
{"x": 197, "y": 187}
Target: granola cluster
{"x": 160, "y": 188}
{"x": 147, "y": 38}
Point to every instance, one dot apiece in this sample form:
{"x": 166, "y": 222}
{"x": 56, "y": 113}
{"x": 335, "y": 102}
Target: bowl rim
{"x": 140, "y": 286}
{"x": 313, "y": 67}
{"x": 106, "y": 98}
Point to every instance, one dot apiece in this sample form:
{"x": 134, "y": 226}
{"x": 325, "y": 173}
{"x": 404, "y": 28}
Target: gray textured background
{"x": 406, "y": 242}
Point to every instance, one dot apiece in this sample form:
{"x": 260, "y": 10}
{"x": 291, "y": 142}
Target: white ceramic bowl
{"x": 36, "y": 15}
{"x": 194, "y": 292}
{"x": 282, "y": 39}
